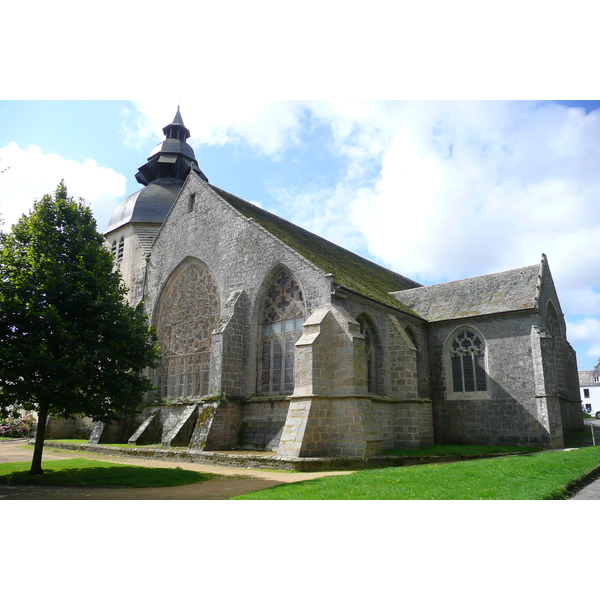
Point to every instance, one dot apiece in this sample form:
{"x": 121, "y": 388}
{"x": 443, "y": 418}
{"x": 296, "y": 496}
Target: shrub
{"x": 16, "y": 427}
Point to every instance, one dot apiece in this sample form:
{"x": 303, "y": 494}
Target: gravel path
{"x": 233, "y": 481}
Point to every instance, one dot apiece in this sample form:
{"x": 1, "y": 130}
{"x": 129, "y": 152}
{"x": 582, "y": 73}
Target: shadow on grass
{"x": 83, "y": 472}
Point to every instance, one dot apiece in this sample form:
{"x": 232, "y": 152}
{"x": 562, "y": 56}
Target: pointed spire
{"x": 177, "y": 130}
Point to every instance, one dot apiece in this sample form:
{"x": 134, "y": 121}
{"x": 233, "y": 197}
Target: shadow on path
{"x": 232, "y": 481}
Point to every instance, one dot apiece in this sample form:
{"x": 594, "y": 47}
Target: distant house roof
{"x": 588, "y": 378}
{"x": 350, "y": 271}
{"x": 488, "y": 294}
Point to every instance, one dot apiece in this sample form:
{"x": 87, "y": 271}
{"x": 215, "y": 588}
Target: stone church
{"x": 275, "y": 339}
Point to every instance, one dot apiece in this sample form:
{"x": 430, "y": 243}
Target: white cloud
{"x": 586, "y": 331}
{"x": 268, "y": 126}
{"x": 469, "y": 188}
{"x": 33, "y": 174}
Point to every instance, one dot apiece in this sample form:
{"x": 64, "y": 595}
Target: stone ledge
{"x": 267, "y": 460}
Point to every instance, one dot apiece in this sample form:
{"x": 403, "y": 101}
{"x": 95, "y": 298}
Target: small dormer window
{"x": 596, "y": 379}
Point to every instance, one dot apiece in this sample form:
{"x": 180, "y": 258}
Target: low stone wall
{"x": 67, "y": 429}
{"x": 267, "y": 460}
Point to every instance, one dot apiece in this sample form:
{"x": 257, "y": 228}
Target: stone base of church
{"x": 318, "y": 426}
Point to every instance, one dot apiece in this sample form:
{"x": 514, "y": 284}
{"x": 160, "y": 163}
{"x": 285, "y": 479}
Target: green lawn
{"x": 455, "y": 450}
{"x": 543, "y": 476}
{"x": 84, "y": 472}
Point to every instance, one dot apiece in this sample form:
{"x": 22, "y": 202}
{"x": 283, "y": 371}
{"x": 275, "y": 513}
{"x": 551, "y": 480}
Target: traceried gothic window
{"x": 368, "y": 331}
{"x": 282, "y": 317}
{"x": 467, "y": 356}
{"x": 188, "y": 312}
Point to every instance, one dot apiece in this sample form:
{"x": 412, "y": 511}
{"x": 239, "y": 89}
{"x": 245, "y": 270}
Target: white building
{"x": 589, "y": 386}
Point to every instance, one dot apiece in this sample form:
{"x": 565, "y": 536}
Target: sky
{"x": 435, "y": 190}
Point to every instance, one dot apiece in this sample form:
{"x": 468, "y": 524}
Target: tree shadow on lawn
{"x": 83, "y": 472}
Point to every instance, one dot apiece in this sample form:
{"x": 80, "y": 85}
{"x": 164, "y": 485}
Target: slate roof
{"x": 485, "y": 295}
{"x": 586, "y": 378}
{"x": 350, "y": 271}
{"x": 148, "y": 205}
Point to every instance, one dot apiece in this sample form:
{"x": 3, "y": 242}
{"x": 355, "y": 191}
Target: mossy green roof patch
{"x": 350, "y": 271}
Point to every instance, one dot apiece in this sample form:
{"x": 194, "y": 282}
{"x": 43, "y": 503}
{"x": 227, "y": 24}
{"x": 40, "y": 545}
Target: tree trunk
{"x": 36, "y": 462}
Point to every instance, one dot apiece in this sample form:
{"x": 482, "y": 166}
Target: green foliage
{"x": 84, "y": 472}
{"x": 69, "y": 344}
{"x": 541, "y": 476}
{"x": 221, "y": 398}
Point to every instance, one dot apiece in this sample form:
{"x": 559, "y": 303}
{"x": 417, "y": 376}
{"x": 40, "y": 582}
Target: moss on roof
{"x": 506, "y": 291}
{"x": 350, "y": 271}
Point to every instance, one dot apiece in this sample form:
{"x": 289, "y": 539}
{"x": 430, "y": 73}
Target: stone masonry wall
{"x": 241, "y": 255}
{"x": 510, "y": 412}
{"x": 228, "y": 346}
{"x": 262, "y": 423}
{"x": 404, "y": 424}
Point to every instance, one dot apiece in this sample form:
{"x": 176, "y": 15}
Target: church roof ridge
{"x": 350, "y": 271}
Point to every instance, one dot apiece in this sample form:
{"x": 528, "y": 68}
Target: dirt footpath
{"x": 232, "y": 481}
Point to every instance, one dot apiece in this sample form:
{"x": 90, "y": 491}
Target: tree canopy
{"x": 69, "y": 343}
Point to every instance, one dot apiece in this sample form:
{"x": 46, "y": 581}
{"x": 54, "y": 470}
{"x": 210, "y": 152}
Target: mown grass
{"x": 543, "y": 476}
{"x": 84, "y": 472}
{"x": 455, "y": 450}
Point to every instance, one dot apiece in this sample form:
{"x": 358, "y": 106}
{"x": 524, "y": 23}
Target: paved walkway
{"x": 589, "y": 492}
{"x": 232, "y": 481}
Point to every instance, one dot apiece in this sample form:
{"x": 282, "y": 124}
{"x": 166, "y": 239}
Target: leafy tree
{"x": 69, "y": 344}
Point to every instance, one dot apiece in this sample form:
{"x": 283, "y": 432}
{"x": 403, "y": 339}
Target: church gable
{"x": 240, "y": 252}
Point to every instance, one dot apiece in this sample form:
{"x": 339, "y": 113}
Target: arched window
{"x": 188, "y": 312}
{"x": 121, "y": 249}
{"x": 368, "y": 331}
{"x": 282, "y": 317}
{"x": 113, "y": 249}
{"x": 467, "y": 357}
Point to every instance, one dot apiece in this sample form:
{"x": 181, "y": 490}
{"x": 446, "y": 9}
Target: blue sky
{"x": 434, "y": 190}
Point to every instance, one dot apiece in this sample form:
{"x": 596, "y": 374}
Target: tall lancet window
{"x": 467, "y": 354}
{"x": 282, "y": 317}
